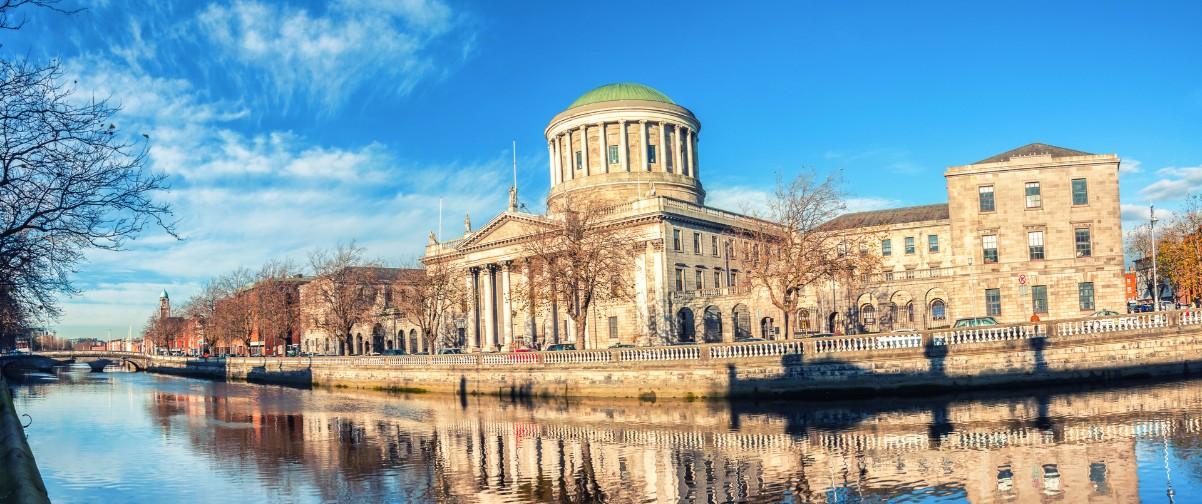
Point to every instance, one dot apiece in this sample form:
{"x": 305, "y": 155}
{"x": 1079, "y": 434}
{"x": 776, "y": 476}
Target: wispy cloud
{"x": 1130, "y": 166}
{"x": 1174, "y": 184}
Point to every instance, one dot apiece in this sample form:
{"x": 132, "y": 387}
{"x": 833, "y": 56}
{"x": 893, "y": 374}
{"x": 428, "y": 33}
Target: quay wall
{"x": 20, "y": 480}
{"x": 1012, "y": 355}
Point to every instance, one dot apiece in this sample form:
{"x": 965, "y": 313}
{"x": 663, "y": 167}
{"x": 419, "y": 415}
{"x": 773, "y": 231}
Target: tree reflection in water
{"x": 338, "y": 445}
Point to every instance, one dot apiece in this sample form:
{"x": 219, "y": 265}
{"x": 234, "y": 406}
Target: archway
{"x": 832, "y": 321}
{"x": 685, "y": 330}
{"x": 713, "y": 324}
{"x": 414, "y": 344}
{"x": 804, "y": 325}
{"x": 358, "y": 344}
{"x": 741, "y": 316}
{"x": 766, "y": 327}
{"x": 936, "y": 311}
{"x": 868, "y": 316}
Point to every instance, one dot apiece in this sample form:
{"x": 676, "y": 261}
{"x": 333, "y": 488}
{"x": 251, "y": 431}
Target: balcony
{"x": 907, "y": 275}
{"x": 686, "y": 296}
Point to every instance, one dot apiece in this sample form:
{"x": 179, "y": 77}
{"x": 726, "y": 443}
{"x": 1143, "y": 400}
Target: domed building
{"x": 634, "y": 150}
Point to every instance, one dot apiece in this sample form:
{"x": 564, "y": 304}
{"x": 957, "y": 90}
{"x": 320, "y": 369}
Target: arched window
{"x": 803, "y": 319}
{"x": 867, "y": 314}
{"x": 910, "y": 312}
{"x": 685, "y": 331}
{"x": 938, "y": 310}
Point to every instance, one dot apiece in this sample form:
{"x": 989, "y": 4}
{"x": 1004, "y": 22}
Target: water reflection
{"x": 138, "y": 437}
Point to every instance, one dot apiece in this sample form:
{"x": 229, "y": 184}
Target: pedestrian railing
{"x": 766, "y": 349}
{"x": 1114, "y": 324}
{"x": 987, "y": 334}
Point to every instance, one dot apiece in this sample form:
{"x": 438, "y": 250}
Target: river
{"x": 137, "y": 437}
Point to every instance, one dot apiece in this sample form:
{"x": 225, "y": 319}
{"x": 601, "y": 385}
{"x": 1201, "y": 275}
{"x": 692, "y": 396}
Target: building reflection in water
{"x": 1065, "y": 447}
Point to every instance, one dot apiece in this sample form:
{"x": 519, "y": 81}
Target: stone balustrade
{"x": 765, "y": 349}
{"x": 988, "y": 334}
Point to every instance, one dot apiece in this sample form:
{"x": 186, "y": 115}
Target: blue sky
{"x": 286, "y": 126}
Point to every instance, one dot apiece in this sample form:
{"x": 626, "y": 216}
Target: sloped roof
{"x": 621, "y": 91}
{"x": 1033, "y": 149}
{"x": 889, "y": 216}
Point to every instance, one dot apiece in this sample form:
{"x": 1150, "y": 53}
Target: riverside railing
{"x": 778, "y": 349}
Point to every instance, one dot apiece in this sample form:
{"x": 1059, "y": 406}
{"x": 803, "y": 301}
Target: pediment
{"x": 503, "y": 228}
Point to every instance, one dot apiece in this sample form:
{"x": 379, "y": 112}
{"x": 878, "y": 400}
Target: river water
{"x": 136, "y": 437}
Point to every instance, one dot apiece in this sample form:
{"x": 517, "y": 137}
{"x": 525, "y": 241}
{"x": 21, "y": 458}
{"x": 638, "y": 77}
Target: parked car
{"x": 1105, "y": 313}
{"x": 975, "y": 322}
{"x": 446, "y": 351}
{"x": 821, "y": 335}
{"x": 393, "y": 351}
{"x": 621, "y": 345}
{"x": 560, "y": 347}
{"x": 749, "y": 340}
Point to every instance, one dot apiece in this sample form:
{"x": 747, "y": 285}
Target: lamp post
{"x": 1155, "y": 288}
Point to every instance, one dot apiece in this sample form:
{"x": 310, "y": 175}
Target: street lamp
{"x": 1155, "y": 288}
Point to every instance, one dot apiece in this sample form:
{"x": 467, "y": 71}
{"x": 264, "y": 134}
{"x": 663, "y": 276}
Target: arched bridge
{"x": 97, "y": 360}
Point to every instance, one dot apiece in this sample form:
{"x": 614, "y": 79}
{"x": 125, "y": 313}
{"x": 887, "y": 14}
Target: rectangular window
{"x": 1039, "y": 298}
{"x": 734, "y": 279}
{"x": 989, "y": 245}
{"x": 1080, "y": 192}
{"x": 579, "y": 160}
{"x": 886, "y": 247}
{"x": 676, "y": 240}
{"x": 985, "y": 198}
{"x": 613, "y": 328}
{"x": 1085, "y": 295}
{"x": 909, "y": 245}
{"x": 698, "y": 277}
{"x": 650, "y": 154}
{"x": 679, "y": 279}
{"x": 1034, "y": 199}
{"x": 1035, "y": 245}
{"x": 932, "y": 243}
{"x": 696, "y": 243}
{"x": 613, "y": 154}
{"x": 717, "y": 279}
{"x": 714, "y": 245}
{"x": 993, "y": 302}
{"x": 1084, "y": 246}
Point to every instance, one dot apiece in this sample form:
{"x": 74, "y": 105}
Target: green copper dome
{"x": 621, "y": 91}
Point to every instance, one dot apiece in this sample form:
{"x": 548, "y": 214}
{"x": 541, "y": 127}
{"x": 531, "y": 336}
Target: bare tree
{"x": 345, "y": 288}
{"x": 795, "y": 242}
{"x": 234, "y": 314}
{"x": 276, "y": 299}
{"x": 427, "y": 296}
{"x": 579, "y": 259}
{"x": 162, "y": 332}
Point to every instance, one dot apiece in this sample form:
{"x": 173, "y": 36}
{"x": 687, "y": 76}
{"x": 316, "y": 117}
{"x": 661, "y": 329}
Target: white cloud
{"x": 866, "y": 204}
{"x": 738, "y": 199}
{"x": 1174, "y": 184}
{"x": 326, "y": 57}
{"x": 1130, "y": 166}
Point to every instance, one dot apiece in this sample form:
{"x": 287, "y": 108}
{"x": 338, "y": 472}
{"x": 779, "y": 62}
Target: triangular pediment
{"x": 505, "y": 227}
{"x": 1033, "y": 149}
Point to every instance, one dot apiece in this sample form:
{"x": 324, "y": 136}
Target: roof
{"x": 621, "y": 91}
{"x": 890, "y": 216}
{"x": 388, "y": 274}
{"x": 1034, "y": 149}
{"x": 163, "y": 294}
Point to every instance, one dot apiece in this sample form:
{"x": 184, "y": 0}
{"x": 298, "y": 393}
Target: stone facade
{"x": 383, "y": 327}
{"x": 634, "y": 147}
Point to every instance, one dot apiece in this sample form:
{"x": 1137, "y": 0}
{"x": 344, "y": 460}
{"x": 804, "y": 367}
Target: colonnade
{"x": 682, "y": 155}
{"x": 489, "y": 315}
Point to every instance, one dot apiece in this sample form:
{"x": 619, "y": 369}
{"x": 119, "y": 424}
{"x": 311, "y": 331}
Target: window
{"x": 613, "y": 328}
{"x": 698, "y": 277}
{"x": 717, "y": 279}
{"x": 679, "y": 279}
{"x": 909, "y": 245}
{"x": 868, "y": 314}
{"x": 1034, "y": 199}
{"x": 1085, "y": 295}
{"x": 1081, "y": 237}
{"x": 676, "y": 240}
{"x": 985, "y": 198}
{"x": 613, "y": 154}
{"x": 1035, "y": 245}
{"x": 932, "y": 243}
{"x": 1039, "y": 298}
{"x": 650, "y": 154}
{"x": 938, "y": 310}
{"x": 579, "y": 160}
{"x": 886, "y": 247}
{"x": 989, "y": 244}
{"x": 910, "y": 311}
{"x": 993, "y": 302}
{"x": 1080, "y": 192}
{"x": 714, "y": 245}
{"x": 696, "y": 243}
{"x": 734, "y": 279}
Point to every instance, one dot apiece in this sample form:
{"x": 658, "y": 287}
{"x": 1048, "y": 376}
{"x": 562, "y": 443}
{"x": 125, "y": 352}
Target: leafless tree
{"x": 345, "y": 287}
{"x": 234, "y": 314}
{"x": 579, "y": 259}
{"x": 162, "y": 331}
{"x": 276, "y": 299}
{"x": 427, "y": 296}
{"x": 795, "y": 243}
{"x": 70, "y": 181}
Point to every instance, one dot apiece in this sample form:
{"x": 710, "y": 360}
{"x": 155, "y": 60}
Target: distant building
{"x": 384, "y": 327}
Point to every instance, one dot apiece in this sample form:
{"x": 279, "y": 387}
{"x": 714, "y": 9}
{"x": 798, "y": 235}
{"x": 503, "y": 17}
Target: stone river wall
{"x": 20, "y": 481}
{"x": 1168, "y": 343}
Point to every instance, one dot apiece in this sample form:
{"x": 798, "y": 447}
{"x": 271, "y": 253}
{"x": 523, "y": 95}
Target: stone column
{"x": 646, "y": 138}
{"x": 692, "y": 139}
{"x": 584, "y": 149}
{"x": 676, "y": 152}
{"x": 601, "y": 145}
{"x": 490, "y": 308}
{"x": 551, "y": 160}
{"x": 571, "y": 156}
{"x": 641, "y": 294}
{"x": 507, "y": 306}
{"x": 660, "y": 156}
{"x": 473, "y": 315}
{"x": 559, "y": 177}
{"x": 530, "y": 314}
{"x": 623, "y": 157}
